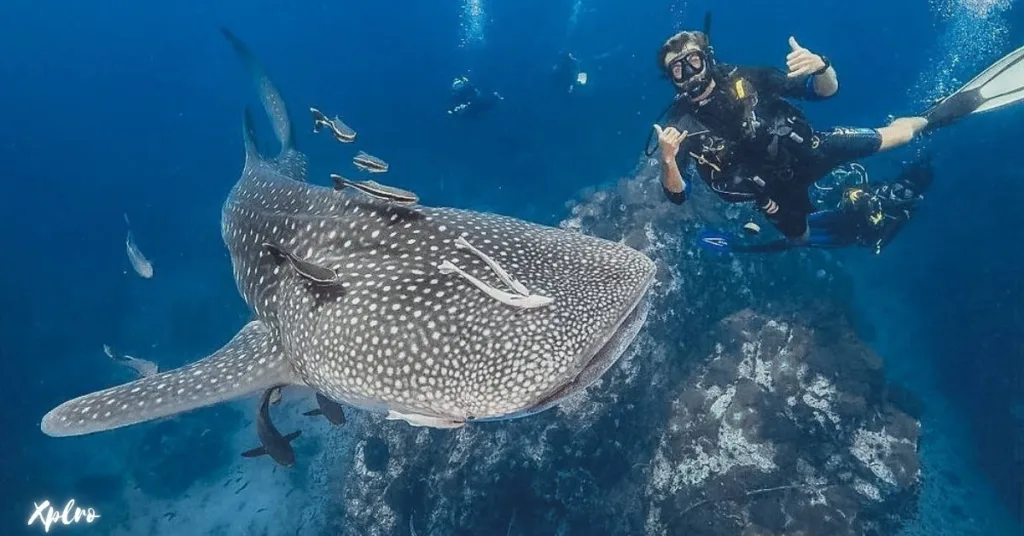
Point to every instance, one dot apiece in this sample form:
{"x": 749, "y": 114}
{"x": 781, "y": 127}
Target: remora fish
{"x": 330, "y": 409}
{"x": 339, "y": 129}
{"x": 369, "y": 163}
{"x": 273, "y": 444}
{"x": 392, "y": 334}
{"x": 142, "y": 366}
{"x": 140, "y": 264}
{"x": 376, "y": 189}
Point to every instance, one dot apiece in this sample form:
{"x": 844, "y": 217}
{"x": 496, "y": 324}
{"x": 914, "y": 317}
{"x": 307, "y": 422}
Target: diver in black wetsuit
{"x": 468, "y": 100}
{"x": 748, "y": 142}
{"x": 864, "y": 214}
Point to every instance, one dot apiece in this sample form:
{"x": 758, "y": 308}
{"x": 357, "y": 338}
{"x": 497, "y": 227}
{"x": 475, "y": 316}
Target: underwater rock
{"x": 799, "y": 400}
{"x": 375, "y": 455}
{"x": 747, "y": 405}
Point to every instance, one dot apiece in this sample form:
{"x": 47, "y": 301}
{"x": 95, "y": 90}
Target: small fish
{"x": 275, "y": 445}
{"x": 143, "y": 367}
{"x": 376, "y": 189}
{"x": 369, "y": 163}
{"x": 339, "y": 129}
{"x": 239, "y": 490}
{"x": 310, "y": 271}
{"x": 170, "y": 515}
{"x": 139, "y": 262}
{"x": 328, "y": 408}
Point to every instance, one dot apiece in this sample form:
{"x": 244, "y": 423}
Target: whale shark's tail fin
{"x": 252, "y": 361}
{"x": 290, "y": 161}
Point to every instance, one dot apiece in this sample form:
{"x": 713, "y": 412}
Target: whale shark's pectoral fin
{"x": 312, "y": 272}
{"x": 249, "y": 362}
{"x": 415, "y": 419}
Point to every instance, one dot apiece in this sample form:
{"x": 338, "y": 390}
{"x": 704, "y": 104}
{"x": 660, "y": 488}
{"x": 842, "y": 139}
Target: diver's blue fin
{"x": 715, "y": 241}
{"x": 725, "y": 243}
{"x": 999, "y": 85}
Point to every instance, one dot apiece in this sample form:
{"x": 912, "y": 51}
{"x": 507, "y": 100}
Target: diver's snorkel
{"x": 707, "y": 55}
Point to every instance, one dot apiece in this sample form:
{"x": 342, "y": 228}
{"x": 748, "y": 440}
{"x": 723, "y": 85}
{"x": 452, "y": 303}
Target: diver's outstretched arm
{"x": 900, "y": 131}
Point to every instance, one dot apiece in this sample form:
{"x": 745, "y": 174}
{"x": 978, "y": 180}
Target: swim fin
{"x": 715, "y": 241}
{"x": 999, "y": 85}
{"x": 725, "y": 243}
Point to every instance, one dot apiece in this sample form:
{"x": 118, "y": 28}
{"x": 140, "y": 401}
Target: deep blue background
{"x": 114, "y": 107}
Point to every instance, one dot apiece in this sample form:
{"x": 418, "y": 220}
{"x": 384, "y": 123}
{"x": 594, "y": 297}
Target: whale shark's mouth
{"x": 605, "y": 356}
{"x": 602, "y": 355}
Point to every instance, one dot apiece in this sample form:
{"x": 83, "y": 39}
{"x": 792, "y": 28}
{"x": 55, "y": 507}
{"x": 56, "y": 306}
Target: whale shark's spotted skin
{"x": 390, "y": 332}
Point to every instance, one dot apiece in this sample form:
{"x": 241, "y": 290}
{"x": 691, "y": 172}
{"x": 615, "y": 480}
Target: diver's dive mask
{"x": 690, "y": 71}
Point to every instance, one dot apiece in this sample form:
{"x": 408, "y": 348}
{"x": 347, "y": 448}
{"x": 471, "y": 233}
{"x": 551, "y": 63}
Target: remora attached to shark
{"x": 389, "y": 331}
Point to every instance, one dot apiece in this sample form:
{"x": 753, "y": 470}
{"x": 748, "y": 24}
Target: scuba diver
{"x": 568, "y": 74}
{"x": 751, "y": 144}
{"x": 470, "y": 101}
{"x": 864, "y": 214}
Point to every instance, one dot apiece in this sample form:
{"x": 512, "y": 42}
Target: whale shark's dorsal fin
{"x": 290, "y": 162}
{"x": 249, "y": 136}
{"x": 252, "y": 361}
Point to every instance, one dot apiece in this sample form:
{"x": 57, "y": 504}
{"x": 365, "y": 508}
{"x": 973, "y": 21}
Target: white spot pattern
{"x": 394, "y": 309}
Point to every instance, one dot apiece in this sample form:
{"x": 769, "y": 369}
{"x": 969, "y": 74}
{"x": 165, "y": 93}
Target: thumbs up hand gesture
{"x": 801, "y": 61}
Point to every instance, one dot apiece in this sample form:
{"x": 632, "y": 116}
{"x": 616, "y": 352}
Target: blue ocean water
{"x": 120, "y": 109}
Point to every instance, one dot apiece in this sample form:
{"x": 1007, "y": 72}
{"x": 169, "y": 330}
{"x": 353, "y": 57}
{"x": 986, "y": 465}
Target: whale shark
{"x": 430, "y": 315}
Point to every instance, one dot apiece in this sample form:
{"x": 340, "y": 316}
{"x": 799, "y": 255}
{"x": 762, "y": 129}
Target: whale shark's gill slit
{"x": 251, "y": 361}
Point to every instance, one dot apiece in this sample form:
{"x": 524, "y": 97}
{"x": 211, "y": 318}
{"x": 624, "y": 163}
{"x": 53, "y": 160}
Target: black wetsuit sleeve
{"x": 674, "y": 197}
{"x": 776, "y": 82}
